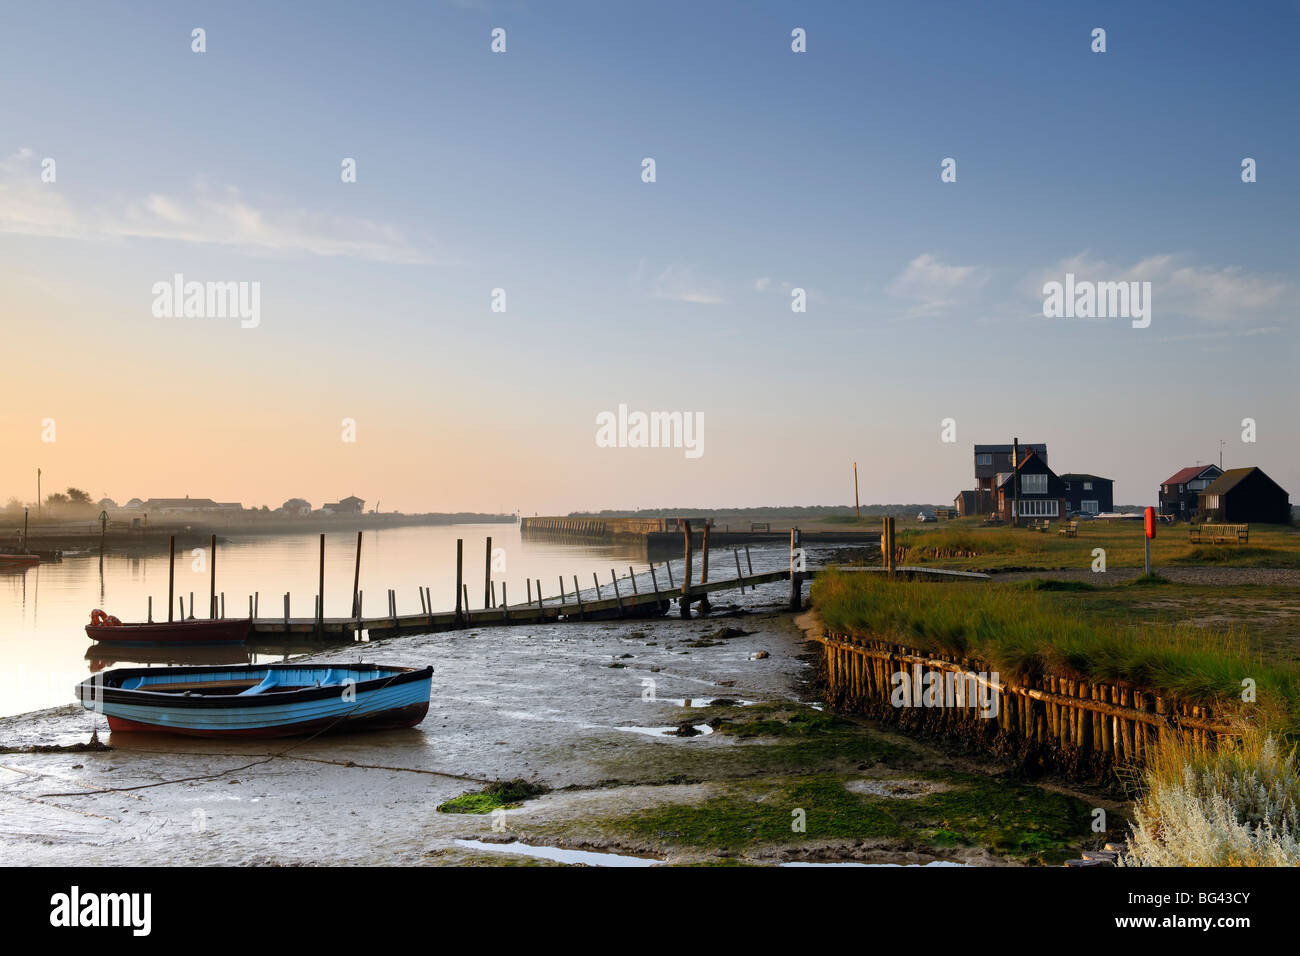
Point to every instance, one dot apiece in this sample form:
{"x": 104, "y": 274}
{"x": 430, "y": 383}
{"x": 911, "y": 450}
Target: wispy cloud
{"x": 222, "y": 217}
{"x": 933, "y": 287}
{"x": 678, "y": 283}
{"x": 1216, "y": 294}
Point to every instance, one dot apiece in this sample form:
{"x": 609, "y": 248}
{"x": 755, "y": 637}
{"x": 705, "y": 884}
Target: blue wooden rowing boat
{"x": 269, "y": 700}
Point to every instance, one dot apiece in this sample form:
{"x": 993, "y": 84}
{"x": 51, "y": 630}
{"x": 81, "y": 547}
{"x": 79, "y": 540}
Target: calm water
{"x": 44, "y": 650}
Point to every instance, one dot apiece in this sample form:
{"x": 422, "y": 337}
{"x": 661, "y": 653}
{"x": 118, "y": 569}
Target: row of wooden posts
{"x": 217, "y": 600}
{"x": 1118, "y": 723}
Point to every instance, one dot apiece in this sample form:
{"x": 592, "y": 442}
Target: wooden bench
{"x": 993, "y": 520}
{"x": 1070, "y": 529}
{"x": 1042, "y": 525}
{"x": 760, "y": 526}
{"x": 1219, "y": 534}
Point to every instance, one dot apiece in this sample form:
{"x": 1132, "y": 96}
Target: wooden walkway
{"x": 643, "y": 603}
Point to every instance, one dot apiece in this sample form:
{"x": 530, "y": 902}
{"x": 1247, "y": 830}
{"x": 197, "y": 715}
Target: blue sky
{"x": 522, "y": 171}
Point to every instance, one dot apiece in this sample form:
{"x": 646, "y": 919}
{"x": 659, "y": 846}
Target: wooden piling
{"x": 618, "y": 598}
{"x": 748, "y": 561}
{"x": 212, "y": 577}
{"x": 171, "y": 574}
{"x": 487, "y": 576}
{"x": 685, "y": 600}
{"x": 796, "y": 582}
{"x": 669, "y": 566}
{"x": 460, "y": 565}
{"x": 577, "y": 595}
{"x": 704, "y": 560}
{"x": 320, "y": 593}
{"x": 150, "y": 618}
{"x": 631, "y": 576}
{"x": 356, "y": 575}
{"x": 739, "y": 577}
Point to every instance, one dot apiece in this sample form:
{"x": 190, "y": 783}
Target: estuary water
{"x": 44, "y": 650}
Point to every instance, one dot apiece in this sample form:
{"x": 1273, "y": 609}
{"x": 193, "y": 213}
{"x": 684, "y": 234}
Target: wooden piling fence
{"x": 1078, "y": 723}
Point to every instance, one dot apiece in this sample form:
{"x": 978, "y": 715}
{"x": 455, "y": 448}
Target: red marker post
{"x": 1149, "y": 524}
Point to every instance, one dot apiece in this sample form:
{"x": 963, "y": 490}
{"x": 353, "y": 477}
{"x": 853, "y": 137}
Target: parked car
{"x": 926, "y": 516}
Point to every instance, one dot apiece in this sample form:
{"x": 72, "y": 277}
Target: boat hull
{"x": 10, "y": 561}
{"x": 395, "y": 718}
{"x": 229, "y": 702}
{"x": 177, "y": 632}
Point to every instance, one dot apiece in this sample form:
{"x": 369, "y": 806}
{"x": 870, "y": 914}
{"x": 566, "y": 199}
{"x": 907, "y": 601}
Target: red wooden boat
{"x": 8, "y": 561}
{"x": 110, "y": 630}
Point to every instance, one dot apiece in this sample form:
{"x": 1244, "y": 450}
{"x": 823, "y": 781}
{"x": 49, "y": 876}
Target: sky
{"x": 522, "y": 171}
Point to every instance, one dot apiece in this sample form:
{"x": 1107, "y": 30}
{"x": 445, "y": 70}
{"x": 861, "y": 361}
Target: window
{"x": 1090, "y": 507}
{"x": 983, "y": 459}
{"x": 1087, "y": 486}
{"x": 1039, "y": 509}
{"x": 1197, "y": 484}
{"x": 1033, "y": 484}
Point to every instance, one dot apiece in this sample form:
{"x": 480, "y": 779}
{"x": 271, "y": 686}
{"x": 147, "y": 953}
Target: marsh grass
{"x": 1021, "y": 634}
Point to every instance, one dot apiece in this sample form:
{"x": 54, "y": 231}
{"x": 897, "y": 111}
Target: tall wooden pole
{"x": 356, "y": 576}
{"x": 487, "y": 576}
{"x": 857, "y": 507}
{"x": 460, "y": 565}
{"x": 796, "y": 579}
{"x": 1015, "y": 481}
{"x": 320, "y": 601}
{"x": 171, "y": 576}
{"x": 684, "y": 600}
{"x": 704, "y": 561}
{"x": 212, "y": 577}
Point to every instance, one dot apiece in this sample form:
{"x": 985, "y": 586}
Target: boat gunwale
{"x": 97, "y": 689}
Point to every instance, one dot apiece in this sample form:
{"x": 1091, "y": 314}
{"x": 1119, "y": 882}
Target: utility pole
{"x": 857, "y": 507}
{"x": 1015, "y": 482}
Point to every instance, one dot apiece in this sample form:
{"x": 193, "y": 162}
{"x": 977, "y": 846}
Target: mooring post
{"x": 150, "y": 609}
{"x": 250, "y": 607}
{"x": 361, "y": 600}
{"x": 704, "y": 560}
{"x": 617, "y": 597}
{"x": 748, "y": 561}
{"x": 654, "y": 582}
{"x": 685, "y": 600}
{"x": 356, "y": 576}
{"x": 460, "y": 549}
{"x": 223, "y": 605}
{"x": 191, "y": 605}
{"x": 468, "y": 617}
{"x": 505, "y": 603}
{"x": 529, "y": 583}
{"x": 286, "y": 612}
{"x": 487, "y": 576}
{"x": 796, "y": 563}
{"x": 494, "y": 594}
{"x": 669, "y": 566}
{"x": 257, "y": 596}
{"x": 595, "y": 580}
{"x": 632, "y": 577}
{"x": 739, "y": 577}
{"x": 212, "y": 578}
{"x": 577, "y": 593}
{"x": 320, "y": 606}
{"x": 561, "y": 590}
{"x": 541, "y": 612}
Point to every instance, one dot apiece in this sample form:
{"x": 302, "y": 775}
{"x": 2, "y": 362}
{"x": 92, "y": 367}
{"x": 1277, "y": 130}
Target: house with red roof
{"x": 1179, "y": 492}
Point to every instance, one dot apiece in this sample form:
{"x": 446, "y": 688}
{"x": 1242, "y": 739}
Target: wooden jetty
{"x": 620, "y": 597}
{"x": 661, "y": 534}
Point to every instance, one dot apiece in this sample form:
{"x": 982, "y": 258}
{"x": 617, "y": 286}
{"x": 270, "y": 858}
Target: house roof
{"x": 1185, "y": 475}
{"x": 1076, "y": 476}
{"x": 1228, "y": 480}
{"x": 181, "y": 503}
{"x": 1006, "y": 449}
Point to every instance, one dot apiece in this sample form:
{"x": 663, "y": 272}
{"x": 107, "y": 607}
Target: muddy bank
{"x": 589, "y": 711}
